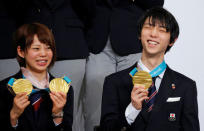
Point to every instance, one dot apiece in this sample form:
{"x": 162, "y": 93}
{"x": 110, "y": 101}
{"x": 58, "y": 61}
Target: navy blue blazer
{"x": 117, "y": 19}
{"x": 27, "y": 121}
{"x": 65, "y": 21}
{"x": 117, "y": 96}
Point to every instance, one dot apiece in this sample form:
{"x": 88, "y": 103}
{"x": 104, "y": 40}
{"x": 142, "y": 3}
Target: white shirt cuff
{"x": 131, "y": 113}
{"x": 56, "y": 123}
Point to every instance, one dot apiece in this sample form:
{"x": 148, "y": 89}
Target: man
{"x": 170, "y": 104}
{"x": 113, "y": 45}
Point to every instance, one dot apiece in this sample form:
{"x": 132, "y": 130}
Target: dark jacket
{"x": 116, "y": 98}
{"x": 65, "y": 21}
{"x": 27, "y": 121}
{"x": 8, "y": 25}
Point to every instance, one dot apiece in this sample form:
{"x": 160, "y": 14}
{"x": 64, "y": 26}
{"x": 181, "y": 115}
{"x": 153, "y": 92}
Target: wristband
{"x": 58, "y": 115}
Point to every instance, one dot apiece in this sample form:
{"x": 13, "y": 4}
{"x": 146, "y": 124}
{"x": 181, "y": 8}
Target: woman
{"x": 35, "y": 48}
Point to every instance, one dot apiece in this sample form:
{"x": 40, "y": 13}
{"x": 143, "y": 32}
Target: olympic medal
{"x": 22, "y": 85}
{"x": 59, "y": 85}
{"x": 142, "y": 78}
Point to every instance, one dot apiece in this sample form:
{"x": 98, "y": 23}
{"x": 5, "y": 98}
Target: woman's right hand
{"x": 20, "y": 102}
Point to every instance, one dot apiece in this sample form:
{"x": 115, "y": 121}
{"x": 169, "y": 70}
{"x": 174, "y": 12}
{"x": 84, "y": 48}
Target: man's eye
{"x": 147, "y": 26}
{"x": 162, "y": 30}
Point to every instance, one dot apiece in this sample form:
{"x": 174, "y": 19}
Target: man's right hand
{"x": 138, "y": 95}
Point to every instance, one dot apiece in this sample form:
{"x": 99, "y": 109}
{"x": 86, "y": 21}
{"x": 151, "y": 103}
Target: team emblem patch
{"x": 172, "y": 117}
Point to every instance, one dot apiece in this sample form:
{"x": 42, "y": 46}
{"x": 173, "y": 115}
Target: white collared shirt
{"x": 131, "y": 112}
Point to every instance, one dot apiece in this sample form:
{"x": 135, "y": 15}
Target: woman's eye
{"x": 36, "y": 48}
{"x": 48, "y": 47}
{"x": 147, "y": 26}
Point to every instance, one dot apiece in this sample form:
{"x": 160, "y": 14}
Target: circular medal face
{"x": 59, "y": 85}
{"x": 22, "y": 85}
{"x": 142, "y": 78}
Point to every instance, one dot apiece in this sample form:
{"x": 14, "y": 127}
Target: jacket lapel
{"x": 128, "y": 79}
{"x": 165, "y": 90}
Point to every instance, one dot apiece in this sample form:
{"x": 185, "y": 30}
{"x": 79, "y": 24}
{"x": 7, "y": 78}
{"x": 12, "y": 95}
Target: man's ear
{"x": 20, "y": 52}
{"x": 171, "y": 44}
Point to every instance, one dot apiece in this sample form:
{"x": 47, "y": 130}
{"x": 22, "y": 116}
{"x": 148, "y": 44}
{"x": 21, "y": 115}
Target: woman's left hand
{"x": 59, "y": 100}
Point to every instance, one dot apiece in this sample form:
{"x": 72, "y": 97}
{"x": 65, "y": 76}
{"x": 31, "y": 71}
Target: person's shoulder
{"x": 5, "y": 81}
{"x": 8, "y": 78}
{"x": 182, "y": 77}
{"x": 183, "y": 80}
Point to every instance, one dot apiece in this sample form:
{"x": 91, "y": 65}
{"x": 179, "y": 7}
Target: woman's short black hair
{"x": 163, "y": 17}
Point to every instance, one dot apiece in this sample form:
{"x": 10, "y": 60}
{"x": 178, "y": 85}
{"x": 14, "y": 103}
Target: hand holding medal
{"x": 59, "y": 88}
{"x": 21, "y": 88}
{"x": 143, "y": 79}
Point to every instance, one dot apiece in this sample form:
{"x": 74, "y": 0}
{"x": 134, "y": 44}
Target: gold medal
{"x": 142, "y": 78}
{"x": 22, "y": 85}
{"x": 59, "y": 85}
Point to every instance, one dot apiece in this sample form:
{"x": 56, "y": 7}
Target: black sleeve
{"x": 68, "y": 111}
{"x": 111, "y": 115}
{"x": 189, "y": 118}
{"x": 6, "y": 101}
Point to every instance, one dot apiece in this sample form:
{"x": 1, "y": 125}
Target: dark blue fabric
{"x": 33, "y": 98}
{"x": 151, "y": 90}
